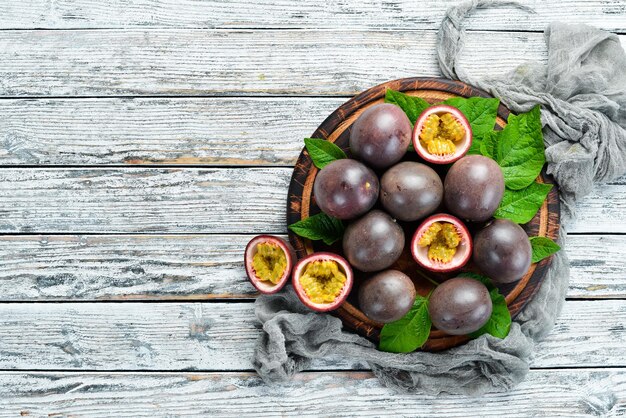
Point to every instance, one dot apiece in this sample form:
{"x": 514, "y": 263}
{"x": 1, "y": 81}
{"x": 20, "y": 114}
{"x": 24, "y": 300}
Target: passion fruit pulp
{"x": 442, "y": 134}
{"x": 441, "y": 243}
{"x": 268, "y": 261}
{"x": 322, "y": 281}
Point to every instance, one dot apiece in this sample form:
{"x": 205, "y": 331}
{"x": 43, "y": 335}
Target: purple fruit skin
{"x": 345, "y": 189}
{"x": 502, "y": 251}
{"x": 474, "y": 187}
{"x": 460, "y": 306}
{"x": 373, "y": 242}
{"x": 410, "y": 191}
{"x": 381, "y": 135}
{"x": 387, "y": 296}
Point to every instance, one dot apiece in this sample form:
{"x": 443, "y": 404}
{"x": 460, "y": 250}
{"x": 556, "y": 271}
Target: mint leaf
{"x": 480, "y": 113}
{"x": 323, "y": 152}
{"x": 319, "y": 227}
{"x": 409, "y": 332}
{"x": 499, "y": 322}
{"x": 520, "y": 206}
{"x": 543, "y": 248}
{"x": 519, "y": 149}
{"x": 413, "y": 106}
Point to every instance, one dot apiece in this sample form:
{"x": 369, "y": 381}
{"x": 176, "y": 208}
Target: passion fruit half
{"x": 322, "y": 281}
{"x": 441, "y": 243}
{"x": 442, "y": 134}
{"x": 269, "y": 261}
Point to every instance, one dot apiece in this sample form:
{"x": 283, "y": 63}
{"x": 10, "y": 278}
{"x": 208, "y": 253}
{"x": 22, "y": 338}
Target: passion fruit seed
{"x": 269, "y": 262}
{"x": 440, "y": 132}
{"x": 442, "y": 240}
{"x": 322, "y": 281}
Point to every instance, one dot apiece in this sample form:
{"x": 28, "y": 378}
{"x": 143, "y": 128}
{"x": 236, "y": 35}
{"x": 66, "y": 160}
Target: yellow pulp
{"x": 439, "y": 133}
{"x": 322, "y": 281}
{"x": 269, "y": 262}
{"x": 442, "y": 240}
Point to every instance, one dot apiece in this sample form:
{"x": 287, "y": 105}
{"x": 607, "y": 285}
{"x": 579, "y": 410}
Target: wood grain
{"x": 221, "y": 336}
{"x": 313, "y": 14}
{"x": 560, "y": 393}
{"x": 156, "y": 267}
{"x": 243, "y": 62}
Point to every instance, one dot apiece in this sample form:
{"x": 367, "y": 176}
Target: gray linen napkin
{"x": 582, "y": 92}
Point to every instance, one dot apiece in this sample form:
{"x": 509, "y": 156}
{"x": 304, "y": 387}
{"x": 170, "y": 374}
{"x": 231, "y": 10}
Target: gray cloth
{"x": 582, "y": 91}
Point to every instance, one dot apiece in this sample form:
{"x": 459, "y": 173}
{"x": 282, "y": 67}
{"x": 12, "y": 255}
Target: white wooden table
{"x": 143, "y": 142}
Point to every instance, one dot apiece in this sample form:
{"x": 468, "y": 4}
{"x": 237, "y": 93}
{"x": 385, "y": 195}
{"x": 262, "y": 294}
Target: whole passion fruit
{"x": 502, "y": 251}
{"x": 442, "y": 134}
{"x": 322, "y": 281}
{"x": 410, "y": 191}
{"x": 268, "y": 261}
{"x": 387, "y": 296}
{"x": 473, "y": 188}
{"x": 460, "y": 306}
{"x": 441, "y": 243}
{"x": 345, "y": 189}
{"x": 373, "y": 242}
{"x": 381, "y": 135}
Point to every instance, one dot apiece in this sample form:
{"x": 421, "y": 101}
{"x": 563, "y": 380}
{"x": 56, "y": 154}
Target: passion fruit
{"x": 387, "y": 296}
{"x": 441, "y": 243}
{"x": 268, "y": 261}
{"x": 373, "y": 242}
{"x": 322, "y": 281}
{"x": 474, "y": 187}
{"x": 502, "y": 251}
{"x": 345, "y": 189}
{"x": 410, "y": 191}
{"x": 381, "y": 135}
{"x": 460, "y": 306}
{"x": 442, "y": 134}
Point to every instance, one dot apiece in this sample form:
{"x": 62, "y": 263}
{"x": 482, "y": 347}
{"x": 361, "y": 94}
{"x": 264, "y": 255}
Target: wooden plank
{"x": 313, "y": 14}
{"x": 200, "y": 62}
{"x": 221, "y": 336}
{"x": 209, "y": 131}
{"x": 553, "y": 393}
{"x": 156, "y": 267}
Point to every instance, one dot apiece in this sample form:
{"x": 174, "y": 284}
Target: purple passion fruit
{"x": 502, "y": 251}
{"x": 345, "y": 189}
{"x": 268, "y": 261}
{"x": 410, "y": 191}
{"x": 460, "y": 306}
{"x": 373, "y": 242}
{"x": 441, "y": 243}
{"x": 473, "y": 188}
{"x": 387, "y": 296}
{"x": 442, "y": 134}
{"x": 322, "y": 281}
{"x": 381, "y": 135}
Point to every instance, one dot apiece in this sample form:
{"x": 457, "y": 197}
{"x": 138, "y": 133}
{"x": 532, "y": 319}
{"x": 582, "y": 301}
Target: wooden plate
{"x": 336, "y": 128}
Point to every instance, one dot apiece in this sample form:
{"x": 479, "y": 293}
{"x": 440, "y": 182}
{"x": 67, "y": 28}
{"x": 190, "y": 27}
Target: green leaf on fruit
{"x": 520, "y": 206}
{"x": 409, "y": 332}
{"x": 319, "y": 227}
{"x": 413, "y": 106}
{"x": 499, "y": 322}
{"x": 480, "y": 113}
{"x": 323, "y": 152}
{"x": 543, "y": 247}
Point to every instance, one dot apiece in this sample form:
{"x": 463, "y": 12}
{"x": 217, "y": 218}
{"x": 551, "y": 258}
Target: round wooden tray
{"x": 336, "y": 128}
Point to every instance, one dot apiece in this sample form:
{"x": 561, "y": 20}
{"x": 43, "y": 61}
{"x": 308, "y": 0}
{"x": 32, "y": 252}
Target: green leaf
{"x": 520, "y": 206}
{"x": 499, "y": 322}
{"x": 483, "y": 279}
{"x": 518, "y": 149}
{"x": 488, "y": 145}
{"x": 323, "y": 152}
{"x": 413, "y": 106}
{"x": 409, "y": 332}
{"x": 319, "y": 227}
{"x": 543, "y": 247}
{"x": 480, "y": 113}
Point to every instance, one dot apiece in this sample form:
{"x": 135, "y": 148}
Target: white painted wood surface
{"x": 106, "y": 86}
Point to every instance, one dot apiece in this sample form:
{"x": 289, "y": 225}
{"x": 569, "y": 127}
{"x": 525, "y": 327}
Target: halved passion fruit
{"x": 441, "y": 243}
{"x": 442, "y": 134}
{"x": 322, "y": 281}
{"x": 269, "y": 261}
